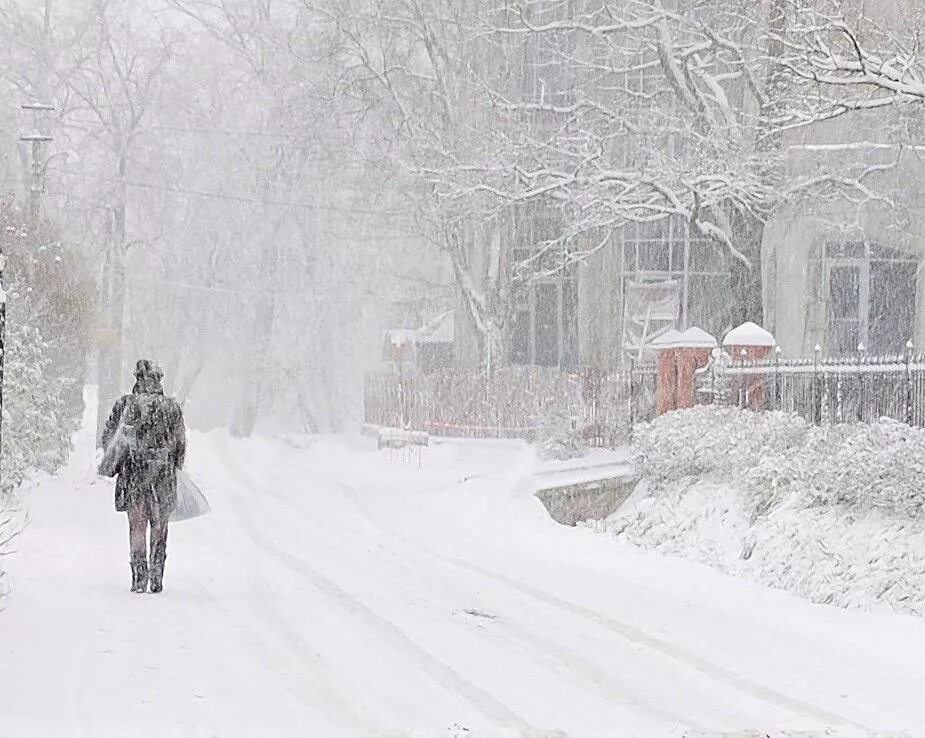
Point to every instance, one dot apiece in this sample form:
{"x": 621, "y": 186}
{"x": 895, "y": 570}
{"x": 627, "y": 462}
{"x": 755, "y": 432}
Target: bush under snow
{"x": 775, "y": 456}
{"x": 830, "y": 513}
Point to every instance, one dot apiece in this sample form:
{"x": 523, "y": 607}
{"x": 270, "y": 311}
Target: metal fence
{"x": 514, "y": 402}
{"x": 860, "y": 389}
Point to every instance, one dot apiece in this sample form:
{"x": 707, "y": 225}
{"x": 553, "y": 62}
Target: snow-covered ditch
{"x": 833, "y": 514}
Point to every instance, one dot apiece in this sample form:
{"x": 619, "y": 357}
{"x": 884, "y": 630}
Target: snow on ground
{"x": 339, "y": 591}
{"x": 832, "y": 514}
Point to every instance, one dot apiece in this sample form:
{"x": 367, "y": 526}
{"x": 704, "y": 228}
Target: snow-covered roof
{"x": 440, "y": 330}
{"x": 696, "y": 338}
{"x": 749, "y": 334}
{"x": 400, "y": 336}
{"x": 691, "y": 338}
{"x": 668, "y": 338}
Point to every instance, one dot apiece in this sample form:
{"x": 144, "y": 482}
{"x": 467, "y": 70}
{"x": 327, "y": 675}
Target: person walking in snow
{"x": 153, "y": 435}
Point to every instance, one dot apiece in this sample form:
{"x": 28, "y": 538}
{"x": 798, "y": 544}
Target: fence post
{"x": 859, "y": 412}
{"x": 743, "y": 383}
{"x": 632, "y": 393}
{"x": 714, "y": 369}
{"x": 816, "y": 388}
{"x": 777, "y": 383}
{"x": 909, "y": 406}
{"x": 402, "y": 398}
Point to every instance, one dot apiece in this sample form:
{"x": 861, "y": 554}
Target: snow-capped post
{"x": 695, "y": 347}
{"x": 909, "y": 406}
{"x": 750, "y": 342}
{"x": 666, "y": 366}
{"x": 680, "y": 355}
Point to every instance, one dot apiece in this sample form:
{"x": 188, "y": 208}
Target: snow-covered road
{"x": 339, "y": 591}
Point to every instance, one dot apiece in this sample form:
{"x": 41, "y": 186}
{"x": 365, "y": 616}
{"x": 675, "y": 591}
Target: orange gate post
{"x": 750, "y": 342}
{"x": 680, "y": 355}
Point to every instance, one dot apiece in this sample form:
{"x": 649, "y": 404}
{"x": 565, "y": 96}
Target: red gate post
{"x": 750, "y": 342}
{"x": 666, "y": 386}
{"x": 694, "y": 348}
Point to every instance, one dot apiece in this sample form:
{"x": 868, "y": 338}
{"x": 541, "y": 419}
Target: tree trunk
{"x": 748, "y": 279}
{"x": 247, "y": 408}
{"x": 109, "y": 367}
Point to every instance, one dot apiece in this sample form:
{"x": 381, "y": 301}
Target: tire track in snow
{"x": 312, "y": 678}
{"x": 391, "y": 633}
{"x": 543, "y": 652}
{"x": 626, "y": 631}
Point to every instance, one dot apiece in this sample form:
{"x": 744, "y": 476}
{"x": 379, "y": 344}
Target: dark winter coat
{"x": 151, "y": 465}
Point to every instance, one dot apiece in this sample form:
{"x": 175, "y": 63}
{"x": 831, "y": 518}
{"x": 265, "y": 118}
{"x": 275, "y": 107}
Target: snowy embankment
{"x": 833, "y": 514}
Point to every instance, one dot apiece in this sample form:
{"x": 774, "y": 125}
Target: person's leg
{"x": 159, "y": 521}
{"x": 137, "y": 533}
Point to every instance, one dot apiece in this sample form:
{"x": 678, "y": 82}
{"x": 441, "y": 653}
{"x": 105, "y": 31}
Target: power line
{"x": 257, "y": 201}
{"x": 197, "y": 129}
{"x": 242, "y": 198}
{"x": 306, "y": 295}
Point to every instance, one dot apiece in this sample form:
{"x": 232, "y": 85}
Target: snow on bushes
{"x": 831, "y": 513}
{"x": 711, "y": 438}
{"x": 49, "y": 308}
{"x": 12, "y": 520}
{"x": 49, "y": 293}
{"x": 36, "y": 429}
{"x": 772, "y": 456}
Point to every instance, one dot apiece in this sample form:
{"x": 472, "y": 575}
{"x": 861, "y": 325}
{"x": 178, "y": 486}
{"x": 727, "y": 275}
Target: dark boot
{"x": 157, "y": 579}
{"x": 139, "y": 574}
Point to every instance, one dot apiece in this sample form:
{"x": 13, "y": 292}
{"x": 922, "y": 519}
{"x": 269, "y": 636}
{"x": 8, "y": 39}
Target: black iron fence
{"x": 515, "y": 402}
{"x": 823, "y": 390}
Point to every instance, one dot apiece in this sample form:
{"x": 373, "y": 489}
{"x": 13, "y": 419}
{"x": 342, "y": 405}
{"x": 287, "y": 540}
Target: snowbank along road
{"x": 339, "y": 591}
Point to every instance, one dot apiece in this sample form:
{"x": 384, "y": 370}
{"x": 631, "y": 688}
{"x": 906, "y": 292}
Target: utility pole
{"x": 37, "y": 140}
{"x": 36, "y": 189}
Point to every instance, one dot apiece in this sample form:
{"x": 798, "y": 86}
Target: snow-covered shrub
{"x": 712, "y": 438}
{"x": 49, "y": 296}
{"x": 11, "y": 523}
{"x": 559, "y": 440}
{"x": 773, "y": 455}
{"x": 49, "y": 304}
{"x": 832, "y": 513}
{"x": 864, "y": 466}
{"x": 36, "y": 431}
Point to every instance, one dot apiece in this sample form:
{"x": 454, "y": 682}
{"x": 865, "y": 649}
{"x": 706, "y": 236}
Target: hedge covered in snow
{"x": 50, "y": 298}
{"x": 833, "y": 514}
{"x": 49, "y": 294}
{"x": 774, "y": 456}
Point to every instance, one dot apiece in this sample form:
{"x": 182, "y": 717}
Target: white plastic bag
{"x": 191, "y": 503}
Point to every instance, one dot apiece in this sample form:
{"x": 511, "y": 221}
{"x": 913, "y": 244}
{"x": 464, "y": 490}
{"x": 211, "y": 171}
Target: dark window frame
{"x": 864, "y": 257}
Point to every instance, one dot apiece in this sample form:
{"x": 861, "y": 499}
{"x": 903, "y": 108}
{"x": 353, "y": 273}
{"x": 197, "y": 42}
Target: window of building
{"x": 546, "y": 293}
{"x": 666, "y": 251}
{"x": 869, "y": 292}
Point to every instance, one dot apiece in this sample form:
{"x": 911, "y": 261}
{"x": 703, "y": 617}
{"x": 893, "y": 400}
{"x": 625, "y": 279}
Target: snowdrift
{"x": 833, "y": 514}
